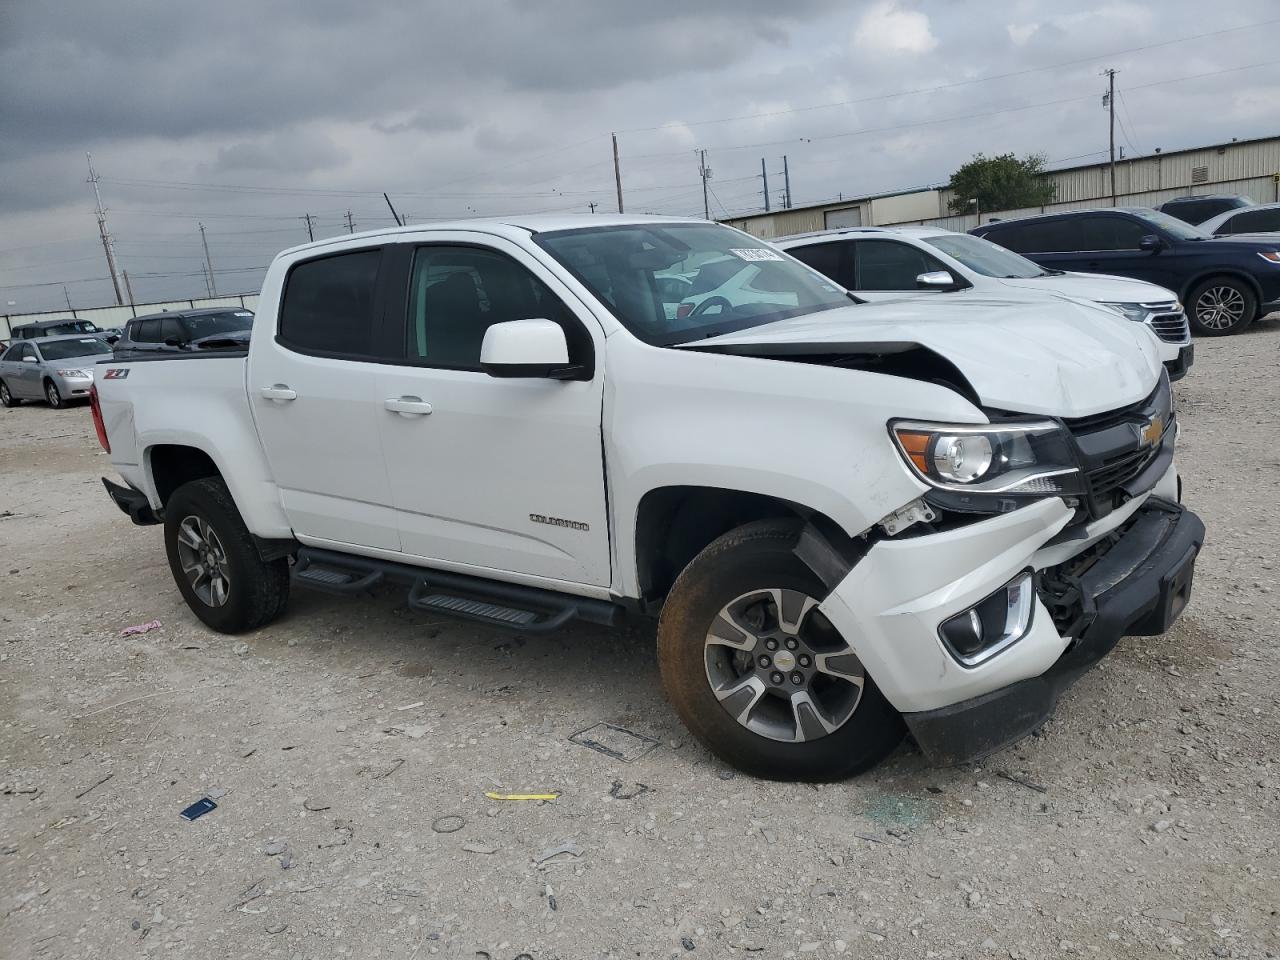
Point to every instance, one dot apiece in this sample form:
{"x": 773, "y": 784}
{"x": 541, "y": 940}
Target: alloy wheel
{"x": 52, "y": 395}
{"x": 779, "y": 667}
{"x": 204, "y": 561}
{"x": 1220, "y": 307}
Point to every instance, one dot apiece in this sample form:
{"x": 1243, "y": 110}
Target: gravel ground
{"x": 351, "y": 746}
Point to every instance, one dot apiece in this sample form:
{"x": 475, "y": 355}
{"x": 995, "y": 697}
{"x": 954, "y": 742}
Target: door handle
{"x": 279, "y": 392}
{"x": 407, "y": 406}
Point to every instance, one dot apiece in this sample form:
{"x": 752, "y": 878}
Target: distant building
{"x": 1250, "y": 168}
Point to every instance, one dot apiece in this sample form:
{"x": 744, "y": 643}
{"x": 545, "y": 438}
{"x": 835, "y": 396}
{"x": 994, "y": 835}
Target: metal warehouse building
{"x": 1247, "y": 167}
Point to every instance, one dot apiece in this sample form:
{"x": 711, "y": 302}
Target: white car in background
{"x": 888, "y": 263}
{"x": 1263, "y": 218}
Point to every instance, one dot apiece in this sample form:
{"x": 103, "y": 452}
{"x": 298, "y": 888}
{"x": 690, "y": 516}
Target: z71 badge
{"x": 116, "y": 373}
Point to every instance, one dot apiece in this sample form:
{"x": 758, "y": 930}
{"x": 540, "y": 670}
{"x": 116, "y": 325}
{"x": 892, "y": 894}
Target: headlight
{"x": 1031, "y": 458}
{"x": 1130, "y": 311}
{"x": 77, "y": 374}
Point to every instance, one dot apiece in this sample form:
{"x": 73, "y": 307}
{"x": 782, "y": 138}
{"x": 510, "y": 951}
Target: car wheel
{"x": 53, "y": 395}
{"x": 216, "y": 563}
{"x": 1221, "y": 305}
{"x": 7, "y": 398}
{"x": 757, "y": 672}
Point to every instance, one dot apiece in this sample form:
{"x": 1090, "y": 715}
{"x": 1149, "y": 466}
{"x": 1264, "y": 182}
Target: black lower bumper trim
{"x": 1178, "y": 368}
{"x": 131, "y": 502}
{"x": 1139, "y": 587}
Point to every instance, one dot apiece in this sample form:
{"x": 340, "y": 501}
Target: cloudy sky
{"x": 247, "y": 115}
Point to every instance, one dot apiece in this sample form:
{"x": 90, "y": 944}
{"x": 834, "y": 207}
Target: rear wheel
{"x": 216, "y": 563}
{"x": 53, "y": 395}
{"x": 1221, "y": 305}
{"x": 759, "y": 674}
{"x": 7, "y": 398}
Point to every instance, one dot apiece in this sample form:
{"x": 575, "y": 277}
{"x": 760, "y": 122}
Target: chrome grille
{"x": 1170, "y": 327}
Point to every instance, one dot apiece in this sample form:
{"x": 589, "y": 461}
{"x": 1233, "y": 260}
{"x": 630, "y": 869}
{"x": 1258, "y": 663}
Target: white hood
{"x": 1039, "y": 355}
{"x": 1094, "y": 286}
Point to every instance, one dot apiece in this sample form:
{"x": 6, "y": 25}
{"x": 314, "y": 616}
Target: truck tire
{"x": 758, "y": 674}
{"x": 7, "y": 398}
{"x": 216, "y": 563}
{"x": 1221, "y": 305}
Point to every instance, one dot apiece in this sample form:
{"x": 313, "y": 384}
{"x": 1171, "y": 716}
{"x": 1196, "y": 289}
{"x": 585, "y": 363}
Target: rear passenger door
{"x": 25, "y": 374}
{"x": 497, "y": 477}
{"x": 313, "y": 389}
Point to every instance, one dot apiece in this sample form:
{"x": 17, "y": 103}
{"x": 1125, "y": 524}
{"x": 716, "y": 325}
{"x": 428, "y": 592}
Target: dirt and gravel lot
{"x": 351, "y": 746}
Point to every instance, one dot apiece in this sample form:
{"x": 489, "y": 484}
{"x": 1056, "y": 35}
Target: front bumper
{"x": 74, "y": 387}
{"x": 1178, "y": 368}
{"x": 1137, "y": 586}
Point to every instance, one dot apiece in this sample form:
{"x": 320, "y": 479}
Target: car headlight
{"x": 75, "y": 374}
{"x": 1130, "y": 311}
{"x": 1026, "y": 457}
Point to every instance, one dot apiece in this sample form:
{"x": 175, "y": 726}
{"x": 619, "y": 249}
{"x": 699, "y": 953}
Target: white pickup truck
{"x": 851, "y": 520}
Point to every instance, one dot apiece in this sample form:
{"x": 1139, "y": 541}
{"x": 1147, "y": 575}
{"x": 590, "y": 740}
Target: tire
{"x": 53, "y": 395}
{"x": 757, "y": 560}
{"x": 7, "y": 398}
{"x": 1221, "y": 305}
{"x": 201, "y": 522}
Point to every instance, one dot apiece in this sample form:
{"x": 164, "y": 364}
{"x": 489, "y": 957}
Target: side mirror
{"x": 29, "y": 359}
{"x": 936, "y": 280}
{"x": 525, "y": 348}
{"x": 1151, "y": 243}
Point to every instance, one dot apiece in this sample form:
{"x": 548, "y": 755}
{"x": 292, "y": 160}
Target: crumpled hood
{"x": 1040, "y": 355}
{"x": 1094, "y": 286}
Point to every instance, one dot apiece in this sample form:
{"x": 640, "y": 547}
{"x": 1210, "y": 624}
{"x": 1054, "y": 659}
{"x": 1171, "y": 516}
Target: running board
{"x": 506, "y": 605}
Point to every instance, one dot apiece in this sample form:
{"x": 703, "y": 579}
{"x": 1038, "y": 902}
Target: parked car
{"x": 1195, "y": 210}
{"x": 55, "y": 369}
{"x": 1263, "y": 218}
{"x": 180, "y": 330}
{"x": 850, "y": 519}
{"x": 53, "y": 328}
{"x": 1225, "y": 282}
{"x": 882, "y": 263}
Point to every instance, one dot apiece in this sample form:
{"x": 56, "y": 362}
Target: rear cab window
{"x": 328, "y": 305}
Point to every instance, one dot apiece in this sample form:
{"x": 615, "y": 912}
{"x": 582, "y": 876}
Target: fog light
{"x": 991, "y": 625}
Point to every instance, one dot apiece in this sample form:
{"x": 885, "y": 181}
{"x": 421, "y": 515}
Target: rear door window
{"x": 147, "y": 331}
{"x": 827, "y": 258}
{"x": 171, "y": 329}
{"x": 328, "y": 305}
{"x": 1110, "y": 233}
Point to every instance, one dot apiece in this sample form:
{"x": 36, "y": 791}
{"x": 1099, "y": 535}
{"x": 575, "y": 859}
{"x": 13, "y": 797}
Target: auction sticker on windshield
{"x": 755, "y": 253}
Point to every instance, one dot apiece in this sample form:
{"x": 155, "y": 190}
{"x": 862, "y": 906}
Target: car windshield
{"x": 215, "y": 324}
{"x": 734, "y": 281}
{"x": 66, "y": 349}
{"x": 1171, "y": 225}
{"x": 984, "y": 257}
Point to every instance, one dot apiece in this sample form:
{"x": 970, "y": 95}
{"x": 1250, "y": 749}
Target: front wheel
{"x": 216, "y": 563}
{"x": 1221, "y": 305}
{"x": 759, "y": 674}
{"x": 53, "y": 395}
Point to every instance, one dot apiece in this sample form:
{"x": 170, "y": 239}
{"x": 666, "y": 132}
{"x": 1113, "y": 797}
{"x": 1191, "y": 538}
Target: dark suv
{"x": 1199, "y": 209}
{"x": 184, "y": 330}
{"x": 53, "y": 328}
{"x": 1225, "y": 282}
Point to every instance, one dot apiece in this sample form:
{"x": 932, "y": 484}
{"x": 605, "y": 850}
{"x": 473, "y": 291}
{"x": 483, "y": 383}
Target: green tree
{"x": 1001, "y": 183}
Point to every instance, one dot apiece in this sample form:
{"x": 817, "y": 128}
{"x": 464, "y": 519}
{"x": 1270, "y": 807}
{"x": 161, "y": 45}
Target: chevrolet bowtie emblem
{"x": 1150, "y": 435}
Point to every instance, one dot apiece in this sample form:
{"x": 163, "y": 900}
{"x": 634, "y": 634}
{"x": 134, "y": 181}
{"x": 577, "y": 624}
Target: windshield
{"x": 1171, "y": 225}
{"x": 217, "y": 324}
{"x": 727, "y": 280}
{"x": 984, "y": 257}
{"x": 66, "y": 349}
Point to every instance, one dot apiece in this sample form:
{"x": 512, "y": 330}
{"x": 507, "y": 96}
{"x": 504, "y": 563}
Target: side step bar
{"x": 506, "y": 605}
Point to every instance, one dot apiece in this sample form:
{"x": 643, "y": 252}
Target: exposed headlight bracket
{"x": 917, "y": 511}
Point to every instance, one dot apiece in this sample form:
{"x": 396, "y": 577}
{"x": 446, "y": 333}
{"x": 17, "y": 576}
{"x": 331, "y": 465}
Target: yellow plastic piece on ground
{"x": 522, "y": 796}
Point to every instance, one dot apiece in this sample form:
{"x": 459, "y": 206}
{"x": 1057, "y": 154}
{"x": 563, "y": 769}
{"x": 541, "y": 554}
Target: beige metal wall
{"x": 117, "y": 316}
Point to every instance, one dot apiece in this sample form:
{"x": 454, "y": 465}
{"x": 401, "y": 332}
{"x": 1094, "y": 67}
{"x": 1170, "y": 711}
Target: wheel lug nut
{"x": 771, "y": 644}
{"x": 766, "y": 663}
{"x": 792, "y": 643}
{"x": 804, "y": 660}
{"x": 776, "y": 677}
{"x": 797, "y": 678}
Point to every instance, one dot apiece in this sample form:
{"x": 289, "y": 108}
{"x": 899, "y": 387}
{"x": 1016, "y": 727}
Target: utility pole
{"x": 1110, "y": 99}
{"x": 351, "y": 226}
{"x": 310, "y": 233}
{"x": 764, "y": 175}
{"x": 107, "y": 245}
{"x": 68, "y": 297}
{"x": 706, "y": 175}
{"x": 592, "y": 205}
{"x": 786, "y": 179}
{"x": 213, "y": 287}
{"x": 127, "y": 289}
{"x": 617, "y": 171}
